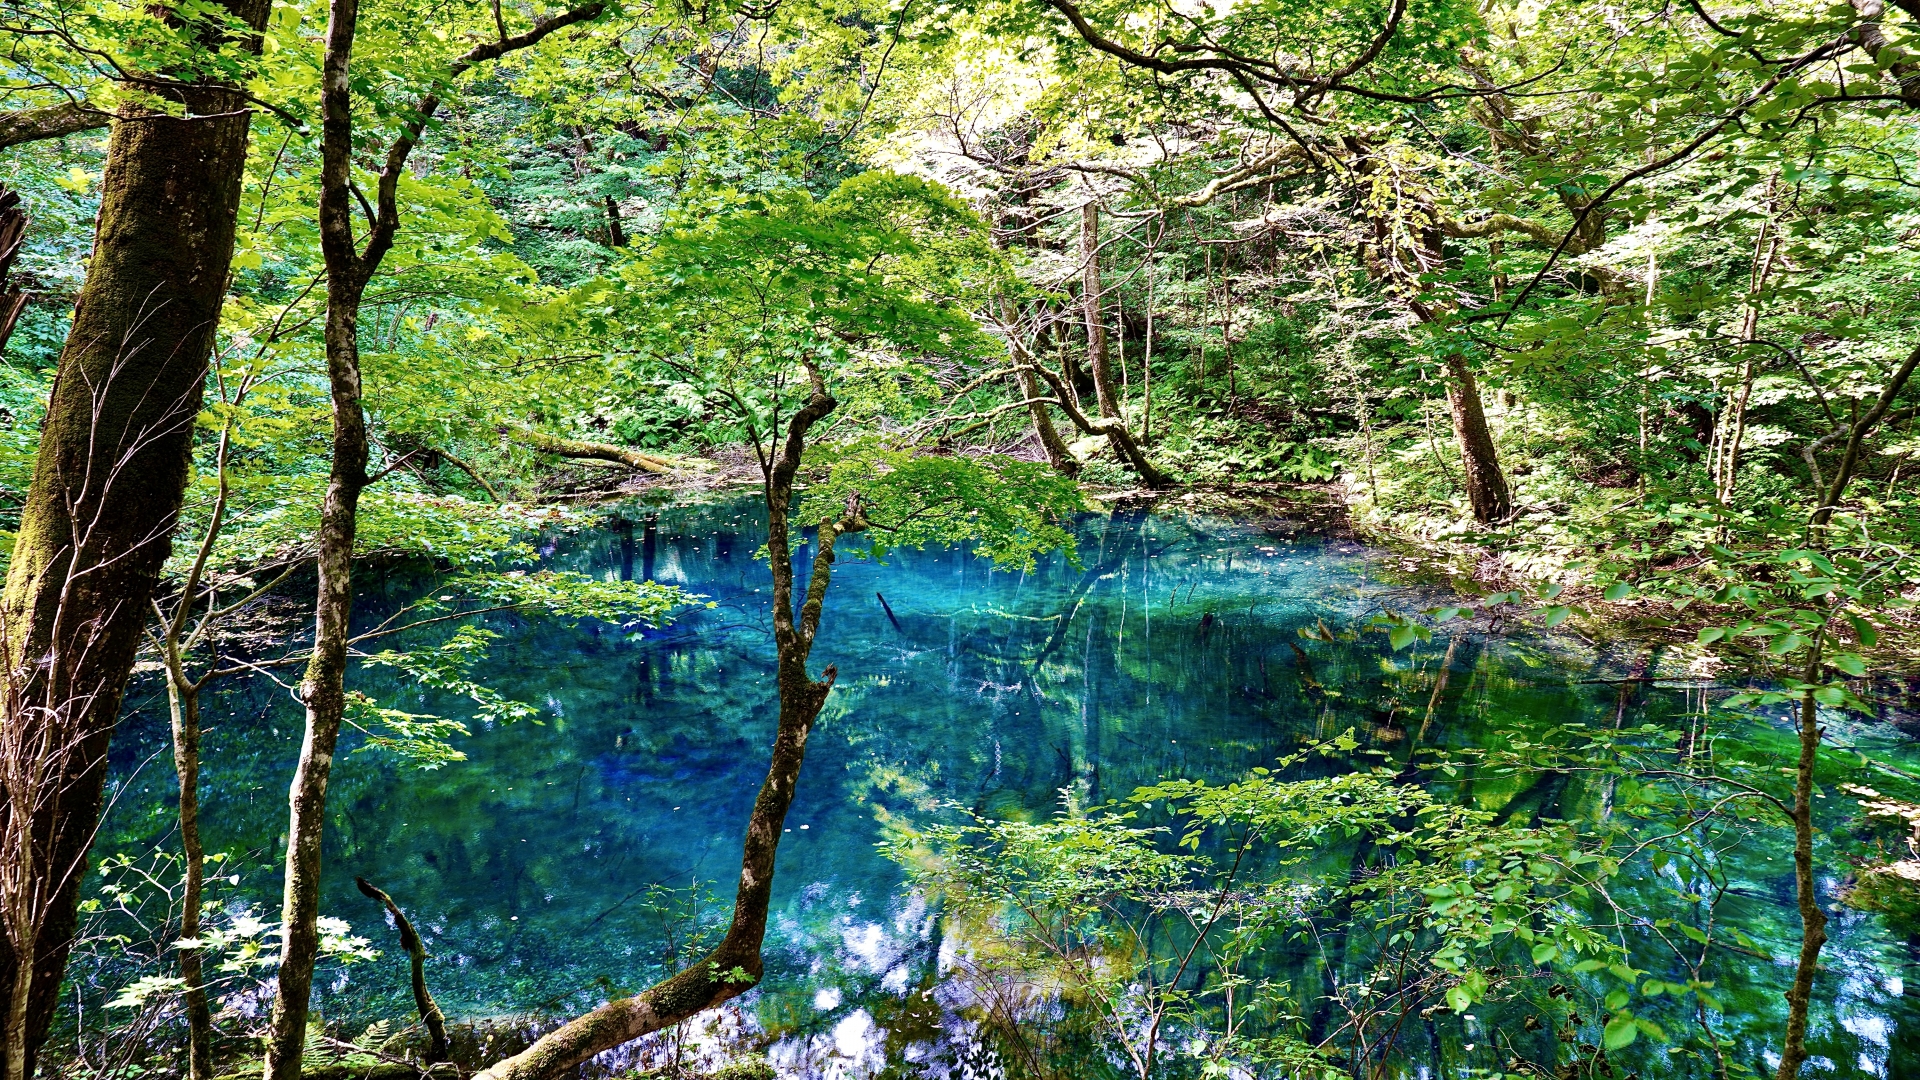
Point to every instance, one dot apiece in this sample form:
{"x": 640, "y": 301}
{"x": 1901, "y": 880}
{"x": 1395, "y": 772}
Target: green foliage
{"x": 1116, "y": 908}
{"x": 1011, "y": 511}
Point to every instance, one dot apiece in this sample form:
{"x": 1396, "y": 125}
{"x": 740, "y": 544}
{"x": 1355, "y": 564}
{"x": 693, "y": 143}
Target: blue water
{"x": 578, "y": 857}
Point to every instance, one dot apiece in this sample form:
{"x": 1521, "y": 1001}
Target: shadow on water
{"x": 539, "y": 869}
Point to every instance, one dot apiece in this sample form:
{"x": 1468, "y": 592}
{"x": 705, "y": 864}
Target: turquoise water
{"x": 571, "y": 859}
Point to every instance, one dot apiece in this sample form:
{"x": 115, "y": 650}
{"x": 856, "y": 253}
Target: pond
{"x": 572, "y": 858}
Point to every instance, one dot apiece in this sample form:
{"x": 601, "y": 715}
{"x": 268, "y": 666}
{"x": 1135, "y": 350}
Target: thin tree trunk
{"x": 110, "y": 476}
{"x": 323, "y": 689}
{"x": 1091, "y": 300}
{"x": 438, "y": 1047}
{"x": 1146, "y": 364}
{"x": 735, "y": 965}
{"x": 183, "y": 706}
{"x": 183, "y": 703}
{"x": 1486, "y": 485}
{"x": 1050, "y": 441}
{"x": 616, "y": 234}
{"x": 1111, "y": 424}
{"x": 1766, "y": 249}
{"x": 1862, "y": 426}
{"x": 1813, "y": 921}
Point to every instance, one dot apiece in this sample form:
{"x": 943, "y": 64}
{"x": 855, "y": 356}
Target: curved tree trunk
{"x": 108, "y": 483}
{"x": 436, "y": 1021}
{"x": 1486, "y": 485}
{"x": 1111, "y": 423}
{"x": 735, "y": 966}
{"x": 1058, "y": 455}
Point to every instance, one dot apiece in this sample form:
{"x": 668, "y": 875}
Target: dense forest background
{"x": 1608, "y": 309}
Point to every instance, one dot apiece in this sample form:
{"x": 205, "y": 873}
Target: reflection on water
{"x": 577, "y": 858}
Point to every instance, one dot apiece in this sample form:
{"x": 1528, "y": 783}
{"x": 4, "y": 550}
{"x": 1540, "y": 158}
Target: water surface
{"x": 573, "y": 858}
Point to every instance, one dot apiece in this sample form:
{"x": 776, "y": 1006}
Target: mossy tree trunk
{"x": 1111, "y": 423}
{"x": 1487, "y": 491}
{"x": 107, "y": 487}
{"x": 350, "y": 266}
{"x": 735, "y": 965}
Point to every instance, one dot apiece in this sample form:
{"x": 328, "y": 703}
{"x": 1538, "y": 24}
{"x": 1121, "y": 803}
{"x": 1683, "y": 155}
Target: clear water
{"x": 529, "y": 866}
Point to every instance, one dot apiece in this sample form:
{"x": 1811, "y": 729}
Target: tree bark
{"x": 1092, "y": 296}
{"x": 13, "y": 236}
{"x": 735, "y": 965}
{"x": 54, "y": 121}
{"x": 438, "y": 1047}
{"x": 1486, "y": 484}
{"x": 1813, "y": 921}
{"x": 110, "y": 475}
{"x": 323, "y": 689}
{"x": 1058, "y": 455}
{"x": 592, "y": 451}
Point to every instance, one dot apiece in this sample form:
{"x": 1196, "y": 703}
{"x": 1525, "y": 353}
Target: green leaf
{"x": 1849, "y": 663}
{"x": 1786, "y": 643}
{"x": 1620, "y": 1031}
{"x": 1401, "y": 636}
{"x": 1558, "y": 615}
{"x": 1459, "y": 1000}
{"x": 1864, "y": 630}
{"x": 1711, "y": 634}
{"x": 1619, "y": 590}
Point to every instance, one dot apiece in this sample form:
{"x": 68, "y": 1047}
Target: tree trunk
{"x": 437, "y": 1047}
{"x": 1856, "y": 438}
{"x": 1813, "y": 921}
{"x": 13, "y": 237}
{"x": 616, "y": 235}
{"x": 1091, "y": 297}
{"x": 735, "y": 965}
{"x": 1766, "y": 248}
{"x": 1056, "y": 448}
{"x": 110, "y": 475}
{"x": 183, "y": 702}
{"x": 323, "y": 688}
{"x": 1486, "y": 484}
{"x": 1058, "y": 455}
{"x": 591, "y": 451}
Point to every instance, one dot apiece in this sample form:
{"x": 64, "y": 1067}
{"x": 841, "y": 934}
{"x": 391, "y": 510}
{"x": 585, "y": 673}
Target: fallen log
{"x": 592, "y": 451}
